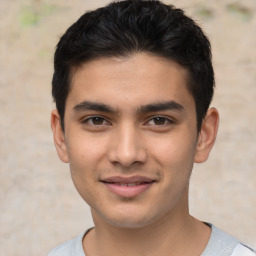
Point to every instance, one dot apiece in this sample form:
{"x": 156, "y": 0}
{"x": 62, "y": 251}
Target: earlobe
{"x": 59, "y": 137}
{"x": 207, "y": 135}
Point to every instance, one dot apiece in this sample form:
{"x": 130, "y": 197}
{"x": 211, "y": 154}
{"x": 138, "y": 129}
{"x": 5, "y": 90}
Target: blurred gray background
{"x": 39, "y": 205}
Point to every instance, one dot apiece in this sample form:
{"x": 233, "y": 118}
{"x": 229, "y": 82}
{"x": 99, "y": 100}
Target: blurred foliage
{"x": 204, "y": 12}
{"x": 240, "y": 10}
{"x": 31, "y": 15}
{"x": 28, "y": 17}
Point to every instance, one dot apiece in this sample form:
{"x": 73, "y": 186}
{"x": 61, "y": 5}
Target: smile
{"x": 128, "y": 187}
{"x": 128, "y": 184}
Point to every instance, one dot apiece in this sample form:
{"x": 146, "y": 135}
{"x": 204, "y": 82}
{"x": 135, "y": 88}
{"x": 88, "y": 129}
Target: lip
{"x": 128, "y": 187}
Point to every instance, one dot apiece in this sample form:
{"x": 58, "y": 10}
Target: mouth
{"x": 128, "y": 187}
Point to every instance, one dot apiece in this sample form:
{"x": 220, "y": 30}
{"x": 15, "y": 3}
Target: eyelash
{"x": 162, "y": 118}
{"x": 91, "y": 119}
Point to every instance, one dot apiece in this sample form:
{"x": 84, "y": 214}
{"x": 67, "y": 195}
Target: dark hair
{"x": 127, "y": 27}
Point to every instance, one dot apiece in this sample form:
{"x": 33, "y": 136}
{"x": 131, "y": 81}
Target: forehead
{"x": 137, "y": 79}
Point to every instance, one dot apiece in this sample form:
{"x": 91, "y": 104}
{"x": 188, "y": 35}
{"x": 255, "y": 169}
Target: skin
{"x": 129, "y": 117}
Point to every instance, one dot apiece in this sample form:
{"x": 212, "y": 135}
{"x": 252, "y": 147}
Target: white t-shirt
{"x": 219, "y": 244}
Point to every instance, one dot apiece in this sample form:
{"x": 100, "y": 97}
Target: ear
{"x": 59, "y": 136}
{"x": 207, "y": 135}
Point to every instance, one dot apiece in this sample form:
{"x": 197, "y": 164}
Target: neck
{"x": 165, "y": 237}
{"x": 174, "y": 234}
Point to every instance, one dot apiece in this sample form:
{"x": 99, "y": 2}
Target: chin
{"x": 127, "y": 214}
{"x": 128, "y": 224}
{"x": 130, "y": 220}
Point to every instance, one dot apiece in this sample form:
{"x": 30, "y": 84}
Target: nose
{"x": 126, "y": 146}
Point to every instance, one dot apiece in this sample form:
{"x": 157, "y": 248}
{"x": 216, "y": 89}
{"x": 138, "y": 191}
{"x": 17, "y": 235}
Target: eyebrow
{"x": 87, "y": 105}
{"x": 161, "y": 106}
{"x": 154, "y": 107}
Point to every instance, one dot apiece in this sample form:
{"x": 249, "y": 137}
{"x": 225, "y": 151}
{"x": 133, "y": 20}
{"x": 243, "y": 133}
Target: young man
{"x": 132, "y": 83}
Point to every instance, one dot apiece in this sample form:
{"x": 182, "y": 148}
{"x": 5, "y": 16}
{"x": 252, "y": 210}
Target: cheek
{"x": 85, "y": 154}
{"x": 176, "y": 151}
{"x": 83, "y": 170}
{"x": 85, "y": 151}
{"x": 175, "y": 158}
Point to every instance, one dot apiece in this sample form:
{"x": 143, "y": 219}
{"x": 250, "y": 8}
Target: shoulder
{"x": 222, "y": 244}
{"x": 70, "y": 248}
{"x": 64, "y": 249}
{"x": 243, "y": 250}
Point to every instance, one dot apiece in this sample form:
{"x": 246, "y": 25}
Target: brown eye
{"x": 159, "y": 120}
{"x": 97, "y": 120}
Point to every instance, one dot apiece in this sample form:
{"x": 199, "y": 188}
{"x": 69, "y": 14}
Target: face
{"x": 131, "y": 138}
